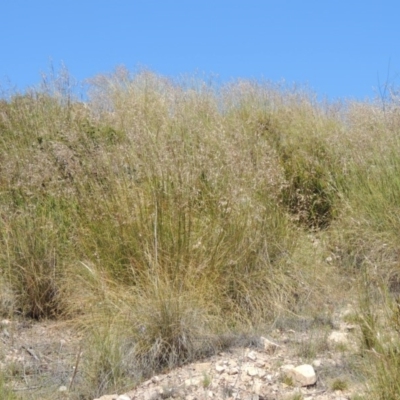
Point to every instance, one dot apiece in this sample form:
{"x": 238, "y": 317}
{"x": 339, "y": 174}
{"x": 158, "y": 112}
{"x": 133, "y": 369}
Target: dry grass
{"x": 163, "y": 216}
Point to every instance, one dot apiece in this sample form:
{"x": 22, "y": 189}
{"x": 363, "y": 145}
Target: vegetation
{"x": 164, "y": 218}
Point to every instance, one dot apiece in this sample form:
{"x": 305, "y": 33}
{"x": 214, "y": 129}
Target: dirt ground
{"x": 43, "y": 360}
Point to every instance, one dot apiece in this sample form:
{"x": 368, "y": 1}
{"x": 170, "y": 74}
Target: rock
{"x": 316, "y": 363}
{"x": 193, "y": 381}
{"x": 203, "y": 367}
{"x": 337, "y": 337}
{"x": 303, "y": 375}
{"x": 233, "y": 371}
{"x": 220, "y": 368}
{"x": 257, "y": 387}
{"x": 242, "y": 373}
{"x": 268, "y": 345}
{"x": 108, "y": 397}
{"x": 252, "y": 371}
{"x": 251, "y": 355}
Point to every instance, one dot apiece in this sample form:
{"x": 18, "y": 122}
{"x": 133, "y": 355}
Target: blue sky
{"x": 340, "y": 49}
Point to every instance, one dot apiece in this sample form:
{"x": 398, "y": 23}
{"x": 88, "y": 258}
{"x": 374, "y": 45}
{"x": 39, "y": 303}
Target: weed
{"x": 207, "y": 380}
{"x": 313, "y": 346}
{"x": 339, "y": 384}
{"x": 287, "y": 380}
{"x": 6, "y": 391}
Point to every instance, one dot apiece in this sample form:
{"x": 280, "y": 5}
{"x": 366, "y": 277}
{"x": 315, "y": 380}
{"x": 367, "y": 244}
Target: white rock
{"x": 257, "y": 386}
{"x": 337, "y": 337}
{"x": 252, "y": 356}
{"x": 268, "y": 345}
{"x": 193, "y": 382}
{"x": 252, "y": 371}
{"x": 220, "y": 368}
{"x": 303, "y": 375}
{"x": 203, "y": 367}
{"x": 260, "y": 364}
{"x": 123, "y": 397}
{"x": 262, "y": 373}
{"x": 108, "y": 397}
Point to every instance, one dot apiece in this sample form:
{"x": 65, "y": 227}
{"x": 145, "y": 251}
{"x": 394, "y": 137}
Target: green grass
{"x": 177, "y": 213}
{"x": 339, "y": 384}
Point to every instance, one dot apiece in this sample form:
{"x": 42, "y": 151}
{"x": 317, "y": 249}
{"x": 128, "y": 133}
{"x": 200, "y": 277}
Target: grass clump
{"x": 339, "y": 384}
{"x": 179, "y": 215}
{"x": 6, "y": 391}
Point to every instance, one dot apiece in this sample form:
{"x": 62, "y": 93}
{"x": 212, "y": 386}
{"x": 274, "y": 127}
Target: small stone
{"x": 262, "y": 373}
{"x": 317, "y": 363}
{"x": 193, "y": 382}
{"x": 350, "y": 327}
{"x": 233, "y": 371}
{"x": 203, "y": 367}
{"x": 252, "y": 397}
{"x": 269, "y": 346}
{"x": 220, "y": 368}
{"x": 252, "y": 371}
{"x": 62, "y": 389}
{"x": 246, "y": 378}
{"x": 303, "y": 375}
{"x": 123, "y": 397}
{"x": 260, "y": 364}
{"x": 337, "y": 337}
{"x": 166, "y": 392}
{"x": 257, "y": 387}
{"x": 252, "y": 356}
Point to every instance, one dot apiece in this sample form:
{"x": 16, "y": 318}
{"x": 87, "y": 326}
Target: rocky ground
{"x": 297, "y": 359}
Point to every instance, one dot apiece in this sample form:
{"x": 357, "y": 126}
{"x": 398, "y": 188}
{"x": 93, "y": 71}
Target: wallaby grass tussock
{"x": 167, "y": 216}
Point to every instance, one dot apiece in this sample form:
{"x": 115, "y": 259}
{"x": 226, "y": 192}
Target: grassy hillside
{"x": 166, "y": 218}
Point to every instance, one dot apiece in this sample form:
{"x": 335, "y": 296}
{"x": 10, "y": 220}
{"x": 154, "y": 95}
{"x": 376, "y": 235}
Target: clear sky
{"x": 338, "y": 48}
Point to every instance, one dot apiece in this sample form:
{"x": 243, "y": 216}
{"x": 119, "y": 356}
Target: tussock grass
{"x": 166, "y": 217}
